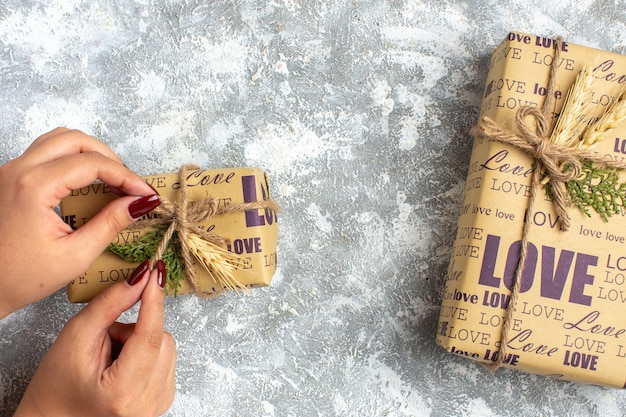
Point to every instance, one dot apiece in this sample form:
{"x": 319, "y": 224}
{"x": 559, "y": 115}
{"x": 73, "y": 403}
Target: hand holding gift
{"x": 216, "y": 229}
{"x": 36, "y": 243}
{"x": 98, "y": 367}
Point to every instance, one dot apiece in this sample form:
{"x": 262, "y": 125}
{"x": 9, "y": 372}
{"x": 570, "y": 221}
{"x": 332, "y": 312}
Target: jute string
{"x": 181, "y": 217}
{"x": 558, "y": 163}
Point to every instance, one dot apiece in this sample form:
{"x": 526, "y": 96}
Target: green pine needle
{"x": 597, "y": 188}
{"x": 146, "y": 246}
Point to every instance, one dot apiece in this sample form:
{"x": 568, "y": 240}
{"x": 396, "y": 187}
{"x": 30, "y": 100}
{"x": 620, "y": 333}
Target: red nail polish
{"x": 143, "y": 205}
{"x": 153, "y": 189}
{"x": 161, "y": 273}
{"x": 138, "y": 273}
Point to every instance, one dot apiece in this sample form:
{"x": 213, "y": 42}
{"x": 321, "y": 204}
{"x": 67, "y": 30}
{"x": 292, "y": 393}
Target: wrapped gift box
{"x": 568, "y": 321}
{"x": 251, "y": 235}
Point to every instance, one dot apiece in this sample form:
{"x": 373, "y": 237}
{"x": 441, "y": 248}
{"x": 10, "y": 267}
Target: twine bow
{"x": 182, "y": 217}
{"x": 557, "y": 163}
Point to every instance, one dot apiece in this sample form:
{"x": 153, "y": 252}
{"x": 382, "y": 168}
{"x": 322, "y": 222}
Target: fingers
{"x": 82, "y": 169}
{"x": 62, "y": 142}
{"x": 168, "y": 365}
{"x": 105, "y": 309}
{"x": 144, "y": 347}
{"x": 160, "y": 383}
{"x": 102, "y": 363}
{"x": 76, "y": 160}
{"x": 95, "y": 235}
{"x": 77, "y": 170}
{"x": 121, "y": 332}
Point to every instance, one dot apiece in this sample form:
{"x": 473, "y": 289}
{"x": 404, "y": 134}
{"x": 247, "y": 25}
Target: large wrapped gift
{"x": 537, "y": 276}
{"x": 229, "y": 232}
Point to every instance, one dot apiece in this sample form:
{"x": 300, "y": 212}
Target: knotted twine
{"x": 182, "y": 217}
{"x": 557, "y": 163}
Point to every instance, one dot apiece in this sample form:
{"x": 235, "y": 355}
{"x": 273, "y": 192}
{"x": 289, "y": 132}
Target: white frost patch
{"x": 477, "y": 407}
{"x": 320, "y": 220}
{"x": 465, "y": 369}
{"x": 175, "y": 123}
{"x": 434, "y": 40}
{"x": 342, "y": 303}
{"x": 372, "y": 228}
{"x": 380, "y": 96}
{"x": 188, "y": 305}
{"x": 216, "y": 379}
{"x": 405, "y": 320}
{"x": 321, "y": 223}
{"x": 404, "y": 208}
{"x": 233, "y": 325}
{"x": 408, "y": 133}
{"x": 284, "y": 147}
{"x": 287, "y": 190}
{"x": 224, "y": 376}
{"x": 221, "y": 134}
{"x": 406, "y": 231}
{"x": 434, "y": 68}
{"x": 168, "y": 140}
{"x": 151, "y": 88}
{"x": 281, "y": 66}
{"x": 408, "y": 234}
{"x": 449, "y": 26}
{"x": 227, "y": 57}
{"x": 384, "y": 388}
{"x": 55, "y": 111}
{"x": 268, "y": 409}
{"x": 182, "y": 154}
{"x": 192, "y": 405}
{"x": 418, "y": 103}
{"x": 278, "y": 276}
{"x": 285, "y": 88}
{"x": 605, "y": 403}
{"x": 48, "y": 33}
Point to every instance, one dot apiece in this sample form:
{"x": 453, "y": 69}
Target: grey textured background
{"x": 359, "y": 111}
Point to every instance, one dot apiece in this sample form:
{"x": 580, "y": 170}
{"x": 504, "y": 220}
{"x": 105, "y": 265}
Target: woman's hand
{"x": 98, "y": 367}
{"x": 39, "y": 253}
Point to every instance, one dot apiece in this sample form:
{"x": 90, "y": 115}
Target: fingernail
{"x": 153, "y": 189}
{"x": 143, "y": 205}
{"x": 161, "y": 273}
{"x": 138, "y": 273}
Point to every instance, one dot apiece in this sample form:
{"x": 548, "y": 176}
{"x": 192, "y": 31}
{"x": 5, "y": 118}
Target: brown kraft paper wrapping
{"x": 569, "y": 319}
{"x": 252, "y": 234}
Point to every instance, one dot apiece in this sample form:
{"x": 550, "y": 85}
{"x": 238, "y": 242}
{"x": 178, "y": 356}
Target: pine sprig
{"x": 597, "y": 188}
{"x": 146, "y": 246}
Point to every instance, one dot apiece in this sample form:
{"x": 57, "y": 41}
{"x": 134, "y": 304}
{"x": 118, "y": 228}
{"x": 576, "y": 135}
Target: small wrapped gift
{"x": 215, "y": 229}
{"x": 537, "y": 276}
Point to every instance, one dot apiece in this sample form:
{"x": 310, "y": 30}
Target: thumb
{"x": 100, "y": 230}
